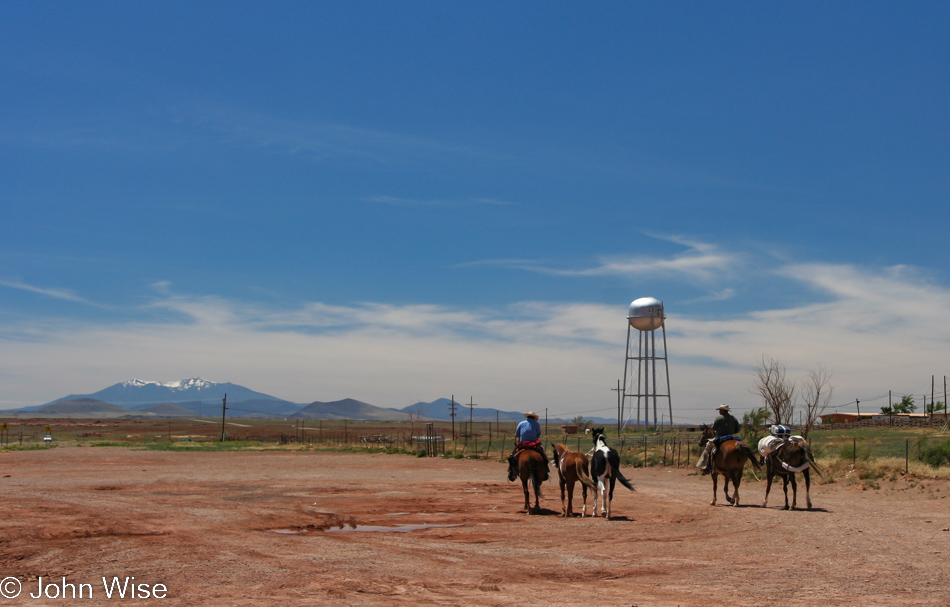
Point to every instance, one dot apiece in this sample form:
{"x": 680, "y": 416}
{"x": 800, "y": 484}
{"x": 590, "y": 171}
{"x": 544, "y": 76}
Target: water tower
{"x": 640, "y": 379}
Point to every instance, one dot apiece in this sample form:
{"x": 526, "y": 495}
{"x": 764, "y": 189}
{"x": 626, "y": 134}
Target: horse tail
{"x": 623, "y": 480}
{"x": 811, "y": 460}
{"x": 583, "y": 476}
{"x": 748, "y": 452}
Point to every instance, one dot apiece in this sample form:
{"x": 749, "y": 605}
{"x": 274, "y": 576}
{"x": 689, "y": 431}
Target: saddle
{"x": 721, "y": 439}
{"x": 532, "y": 445}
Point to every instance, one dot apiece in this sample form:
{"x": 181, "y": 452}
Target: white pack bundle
{"x": 779, "y": 431}
{"x": 768, "y": 444}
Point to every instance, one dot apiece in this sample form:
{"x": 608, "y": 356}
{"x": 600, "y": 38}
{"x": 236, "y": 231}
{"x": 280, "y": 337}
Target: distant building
{"x": 845, "y": 417}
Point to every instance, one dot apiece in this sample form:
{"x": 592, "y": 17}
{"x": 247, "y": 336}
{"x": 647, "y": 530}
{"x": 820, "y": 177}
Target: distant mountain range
{"x": 199, "y": 397}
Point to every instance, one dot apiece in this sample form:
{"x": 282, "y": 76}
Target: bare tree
{"x": 815, "y": 395}
{"x": 777, "y": 392}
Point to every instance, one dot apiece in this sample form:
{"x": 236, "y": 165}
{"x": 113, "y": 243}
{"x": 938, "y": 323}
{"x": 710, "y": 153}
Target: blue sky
{"x": 398, "y": 202}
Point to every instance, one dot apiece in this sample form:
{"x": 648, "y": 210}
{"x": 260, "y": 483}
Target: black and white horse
{"x": 605, "y": 470}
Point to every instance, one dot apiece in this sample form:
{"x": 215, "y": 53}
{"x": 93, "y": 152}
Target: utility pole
{"x": 858, "y": 404}
{"x": 471, "y": 407}
{"x": 619, "y": 391}
{"x": 946, "y": 407}
{"x": 452, "y": 406}
{"x": 224, "y": 407}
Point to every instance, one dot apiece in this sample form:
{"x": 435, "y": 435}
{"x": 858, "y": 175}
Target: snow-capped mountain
{"x": 182, "y": 384}
{"x": 137, "y": 391}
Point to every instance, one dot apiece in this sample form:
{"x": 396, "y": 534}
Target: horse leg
{"x": 610, "y": 495}
{"x": 768, "y": 485}
{"x": 570, "y": 498}
{"x": 736, "y": 479}
{"x": 584, "y": 493}
{"x": 536, "y": 482}
{"x": 715, "y": 477}
{"x": 785, "y": 489}
{"x": 794, "y": 491}
{"x": 564, "y": 507}
{"x": 726, "y": 478}
{"x": 527, "y": 498}
{"x": 807, "y": 487}
{"x": 601, "y": 487}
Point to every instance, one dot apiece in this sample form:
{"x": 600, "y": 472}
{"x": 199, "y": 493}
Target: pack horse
{"x": 785, "y": 455}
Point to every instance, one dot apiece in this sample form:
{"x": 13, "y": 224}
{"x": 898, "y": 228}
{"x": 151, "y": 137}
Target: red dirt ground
{"x": 214, "y": 529}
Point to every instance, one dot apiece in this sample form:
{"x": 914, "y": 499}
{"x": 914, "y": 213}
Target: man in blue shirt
{"x": 529, "y": 430}
{"x": 527, "y": 436}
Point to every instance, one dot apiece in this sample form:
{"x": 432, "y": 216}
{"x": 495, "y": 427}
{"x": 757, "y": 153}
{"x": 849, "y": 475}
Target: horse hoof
{"x": 785, "y": 508}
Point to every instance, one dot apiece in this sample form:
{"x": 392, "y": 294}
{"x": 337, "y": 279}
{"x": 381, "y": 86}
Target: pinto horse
{"x": 794, "y": 455}
{"x": 530, "y": 466}
{"x": 605, "y": 467}
{"x": 729, "y": 461}
{"x": 572, "y": 466}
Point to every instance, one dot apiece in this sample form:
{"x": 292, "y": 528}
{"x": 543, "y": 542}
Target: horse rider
{"x": 527, "y": 436}
{"x": 725, "y": 424}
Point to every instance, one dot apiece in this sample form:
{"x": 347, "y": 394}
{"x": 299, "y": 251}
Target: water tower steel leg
{"x": 623, "y": 395}
{"x": 653, "y": 360}
{"x": 639, "y": 374}
{"x": 646, "y": 383}
{"x": 666, "y": 363}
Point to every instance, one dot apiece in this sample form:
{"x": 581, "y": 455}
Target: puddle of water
{"x": 288, "y": 531}
{"x": 385, "y": 529}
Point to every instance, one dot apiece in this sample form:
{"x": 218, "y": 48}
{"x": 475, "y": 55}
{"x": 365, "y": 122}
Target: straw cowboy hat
{"x": 531, "y": 414}
{"x": 723, "y": 407}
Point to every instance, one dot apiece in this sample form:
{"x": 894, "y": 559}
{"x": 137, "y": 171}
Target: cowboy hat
{"x": 531, "y": 414}
{"x": 723, "y": 407}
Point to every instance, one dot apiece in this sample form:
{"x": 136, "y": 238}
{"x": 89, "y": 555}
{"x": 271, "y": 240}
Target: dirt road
{"x": 250, "y": 528}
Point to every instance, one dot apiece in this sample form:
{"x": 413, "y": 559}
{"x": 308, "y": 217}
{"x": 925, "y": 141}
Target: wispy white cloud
{"x": 197, "y": 124}
{"x": 875, "y": 329}
{"x": 320, "y": 140}
{"x": 63, "y": 294}
{"x": 700, "y": 261}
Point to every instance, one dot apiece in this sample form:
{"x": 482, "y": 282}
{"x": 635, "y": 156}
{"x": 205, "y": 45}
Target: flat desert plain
{"x": 316, "y": 528}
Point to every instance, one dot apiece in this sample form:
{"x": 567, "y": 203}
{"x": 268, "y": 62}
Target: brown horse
{"x": 729, "y": 461}
{"x": 794, "y": 455}
{"x": 572, "y": 466}
{"x": 531, "y": 467}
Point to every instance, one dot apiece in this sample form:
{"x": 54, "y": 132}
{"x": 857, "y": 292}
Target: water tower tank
{"x": 646, "y": 314}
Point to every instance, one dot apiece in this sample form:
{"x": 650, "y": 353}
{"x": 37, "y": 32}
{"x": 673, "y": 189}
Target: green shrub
{"x": 935, "y": 455}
